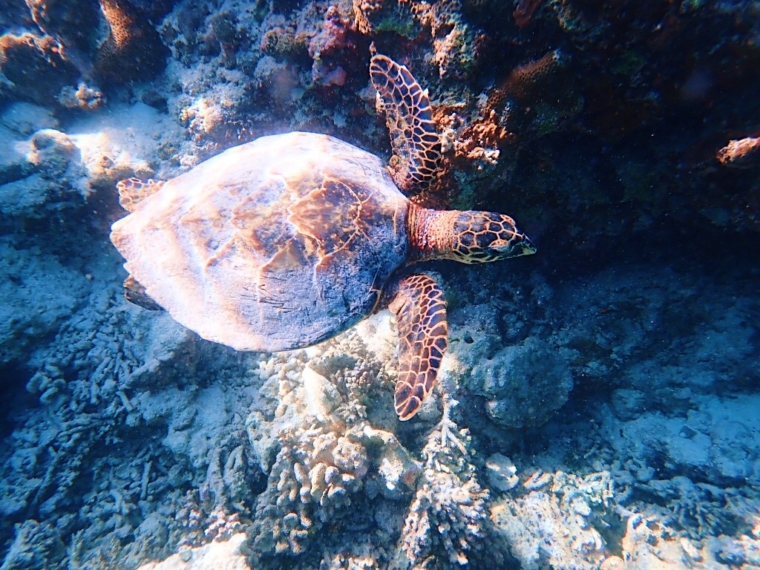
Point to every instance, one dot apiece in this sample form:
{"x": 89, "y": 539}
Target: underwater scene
{"x": 379, "y": 284}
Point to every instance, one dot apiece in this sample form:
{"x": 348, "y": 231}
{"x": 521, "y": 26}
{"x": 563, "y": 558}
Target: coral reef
{"x": 75, "y": 26}
{"x": 742, "y": 153}
{"x": 226, "y": 555}
{"x": 327, "y": 46}
{"x": 314, "y": 475}
{"x": 378, "y": 16}
{"x": 133, "y": 48}
{"x": 524, "y": 12}
{"x": 322, "y": 458}
{"x": 63, "y": 55}
{"x": 448, "y": 518}
{"x": 515, "y": 382}
{"x": 527, "y": 80}
{"x": 33, "y": 67}
{"x": 83, "y": 97}
{"x": 557, "y": 520}
{"x": 606, "y": 390}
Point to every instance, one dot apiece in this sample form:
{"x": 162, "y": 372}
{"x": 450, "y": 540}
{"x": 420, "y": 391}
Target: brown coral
{"x": 526, "y": 79}
{"x": 73, "y": 24}
{"x": 743, "y": 153}
{"x": 374, "y": 16}
{"x": 483, "y": 138}
{"x": 133, "y": 49}
{"x": 284, "y": 43}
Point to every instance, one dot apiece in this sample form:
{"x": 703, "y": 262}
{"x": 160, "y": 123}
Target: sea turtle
{"x": 290, "y": 239}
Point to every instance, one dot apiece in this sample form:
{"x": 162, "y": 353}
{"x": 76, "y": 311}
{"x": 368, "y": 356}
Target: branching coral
{"x": 700, "y": 508}
{"x": 312, "y": 479}
{"x": 449, "y": 513}
{"x": 37, "y": 545}
{"x": 481, "y": 139}
{"x": 83, "y": 97}
{"x": 322, "y": 457}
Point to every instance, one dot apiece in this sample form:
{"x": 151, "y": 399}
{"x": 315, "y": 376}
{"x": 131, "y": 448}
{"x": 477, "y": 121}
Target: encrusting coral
{"x": 527, "y": 79}
{"x": 524, "y": 12}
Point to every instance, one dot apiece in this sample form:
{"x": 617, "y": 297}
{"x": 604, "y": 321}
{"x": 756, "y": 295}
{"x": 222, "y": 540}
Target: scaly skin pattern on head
{"x": 415, "y": 142}
{"x": 464, "y": 236}
{"x": 420, "y": 309}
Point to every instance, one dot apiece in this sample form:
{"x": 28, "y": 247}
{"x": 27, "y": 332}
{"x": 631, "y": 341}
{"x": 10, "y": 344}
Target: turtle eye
{"x": 500, "y": 248}
{"x": 499, "y": 244}
{"x": 517, "y": 245}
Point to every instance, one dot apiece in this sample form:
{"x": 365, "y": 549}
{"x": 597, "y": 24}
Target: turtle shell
{"x": 271, "y": 245}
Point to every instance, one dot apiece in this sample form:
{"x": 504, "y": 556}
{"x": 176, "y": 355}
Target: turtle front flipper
{"x": 420, "y": 309}
{"x": 414, "y": 139}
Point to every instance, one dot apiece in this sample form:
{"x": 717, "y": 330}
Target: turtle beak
{"x": 527, "y": 247}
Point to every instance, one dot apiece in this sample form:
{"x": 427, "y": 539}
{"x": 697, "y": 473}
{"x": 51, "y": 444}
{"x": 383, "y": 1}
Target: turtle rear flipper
{"x": 132, "y": 191}
{"x": 420, "y": 309}
{"x": 135, "y": 293}
{"x": 414, "y": 139}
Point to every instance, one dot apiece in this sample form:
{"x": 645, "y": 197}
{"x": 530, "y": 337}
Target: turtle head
{"x": 466, "y": 236}
{"x": 482, "y": 237}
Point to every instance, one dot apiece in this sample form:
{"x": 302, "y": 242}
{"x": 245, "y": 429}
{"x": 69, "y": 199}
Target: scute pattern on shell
{"x": 272, "y": 245}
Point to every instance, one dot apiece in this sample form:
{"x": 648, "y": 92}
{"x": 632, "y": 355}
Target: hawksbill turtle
{"x": 290, "y": 239}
